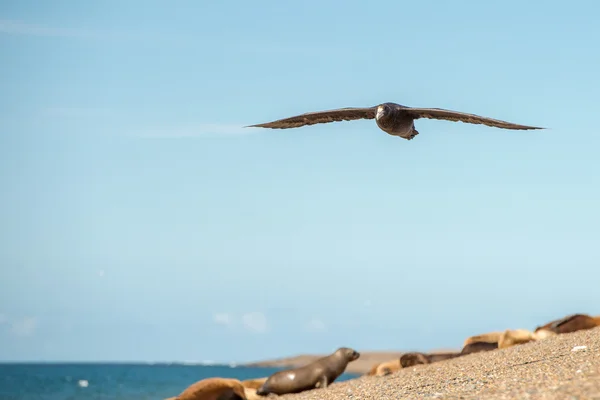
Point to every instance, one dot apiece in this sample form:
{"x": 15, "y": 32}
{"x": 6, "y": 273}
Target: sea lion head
{"x": 348, "y": 353}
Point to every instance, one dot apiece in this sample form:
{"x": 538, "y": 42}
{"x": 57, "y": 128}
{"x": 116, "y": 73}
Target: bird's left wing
{"x": 449, "y": 115}
{"x": 320, "y": 117}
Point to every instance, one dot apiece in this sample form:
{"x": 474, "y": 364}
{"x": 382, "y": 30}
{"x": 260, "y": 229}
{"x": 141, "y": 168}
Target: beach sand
{"x": 547, "y": 369}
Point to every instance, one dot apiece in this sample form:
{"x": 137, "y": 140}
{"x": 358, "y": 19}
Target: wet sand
{"x": 547, "y": 369}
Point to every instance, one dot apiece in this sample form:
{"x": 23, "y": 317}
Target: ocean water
{"x": 112, "y": 381}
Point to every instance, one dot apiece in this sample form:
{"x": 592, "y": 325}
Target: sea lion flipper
{"x": 323, "y": 382}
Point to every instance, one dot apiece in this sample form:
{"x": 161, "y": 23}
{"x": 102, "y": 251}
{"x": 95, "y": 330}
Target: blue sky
{"x": 139, "y": 221}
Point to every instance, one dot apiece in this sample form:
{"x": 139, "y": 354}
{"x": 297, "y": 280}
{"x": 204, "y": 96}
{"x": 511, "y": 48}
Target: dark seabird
{"x": 392, "y": 118}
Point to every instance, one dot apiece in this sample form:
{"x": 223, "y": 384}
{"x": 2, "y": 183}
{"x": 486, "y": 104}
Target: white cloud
{"x": 252, "y": 321}
{"x": 222, "y": 319}
{"x": 24, "y": 327}
{"x": 101, "y": 273}
{"x": 315, "y": 325}
{"x": 255, "y": 322}
{"x": 200, "y": 130}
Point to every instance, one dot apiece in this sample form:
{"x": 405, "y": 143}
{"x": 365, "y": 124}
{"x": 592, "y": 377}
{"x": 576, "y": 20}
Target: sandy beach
{"x": 548, "y": 369}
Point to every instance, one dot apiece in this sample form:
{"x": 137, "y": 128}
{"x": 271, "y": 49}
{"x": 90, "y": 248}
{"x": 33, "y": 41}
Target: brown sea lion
{"x": 214, "y": 389}
{"x": 254, "y": 383}
{"x": 415, "y": 358}
{"x": 513, "y": 337}
{"x": 477, "y": 347}
{"x": 385, "y": 368}
{"x": 317, "y": 374}
{"x": 571, "y": 323}
{"x": 490, "y": 337}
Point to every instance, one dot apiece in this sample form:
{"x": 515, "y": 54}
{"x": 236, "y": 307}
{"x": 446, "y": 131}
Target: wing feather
{"x": 449, "y": 115}
{"x": 320, "y": 117}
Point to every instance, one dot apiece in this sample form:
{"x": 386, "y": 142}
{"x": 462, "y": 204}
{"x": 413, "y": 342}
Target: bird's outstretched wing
{"x": 320, "y": 117}
{"x": 439, "y": 113}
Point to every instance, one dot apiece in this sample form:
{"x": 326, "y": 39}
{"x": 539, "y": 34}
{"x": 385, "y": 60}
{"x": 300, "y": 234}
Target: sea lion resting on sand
{"x": 214, "y": 389}
{"x": 385, "y": 368}
{"x": 477, "y": 347}
{"x": 513, "y": 337}
{"x": 416, "y": 358}
{"x": 571, "y": 323}
{"x": 503, "y": 340}
{"x": 318, "y": 374}
{"x": 490, "y": 337}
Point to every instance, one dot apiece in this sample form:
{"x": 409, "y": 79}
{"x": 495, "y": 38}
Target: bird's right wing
{"x": 320, "y": 117}
{"x": 450, "y": 115}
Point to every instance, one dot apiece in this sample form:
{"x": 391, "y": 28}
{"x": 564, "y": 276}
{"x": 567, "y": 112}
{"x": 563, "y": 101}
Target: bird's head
{"x": 383, "y": 111}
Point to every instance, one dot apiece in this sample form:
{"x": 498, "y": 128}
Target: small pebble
{"x": 579, "y": 348}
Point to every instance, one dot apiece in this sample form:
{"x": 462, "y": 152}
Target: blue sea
{"x": 112, "y": 381}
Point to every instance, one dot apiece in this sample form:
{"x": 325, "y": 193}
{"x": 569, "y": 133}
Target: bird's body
{"x": 392, "y": 118}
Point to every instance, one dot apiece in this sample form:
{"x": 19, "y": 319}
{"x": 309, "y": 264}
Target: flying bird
{"x": 392, "y": 118}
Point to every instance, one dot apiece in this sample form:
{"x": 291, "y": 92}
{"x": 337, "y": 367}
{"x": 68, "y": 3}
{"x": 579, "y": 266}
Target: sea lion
{"x": 317, "y": 374}
{"x": 571, "y": 323}
{"x": 214, "y": 389}
{"x": 254, "y": 383}
{"x": 513, "y": 337}
{"x": 415, "y": 358}
{"x": 490, "y": 337}
{"x": 477, "y": 347}
{"x": 385, "y": 368}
